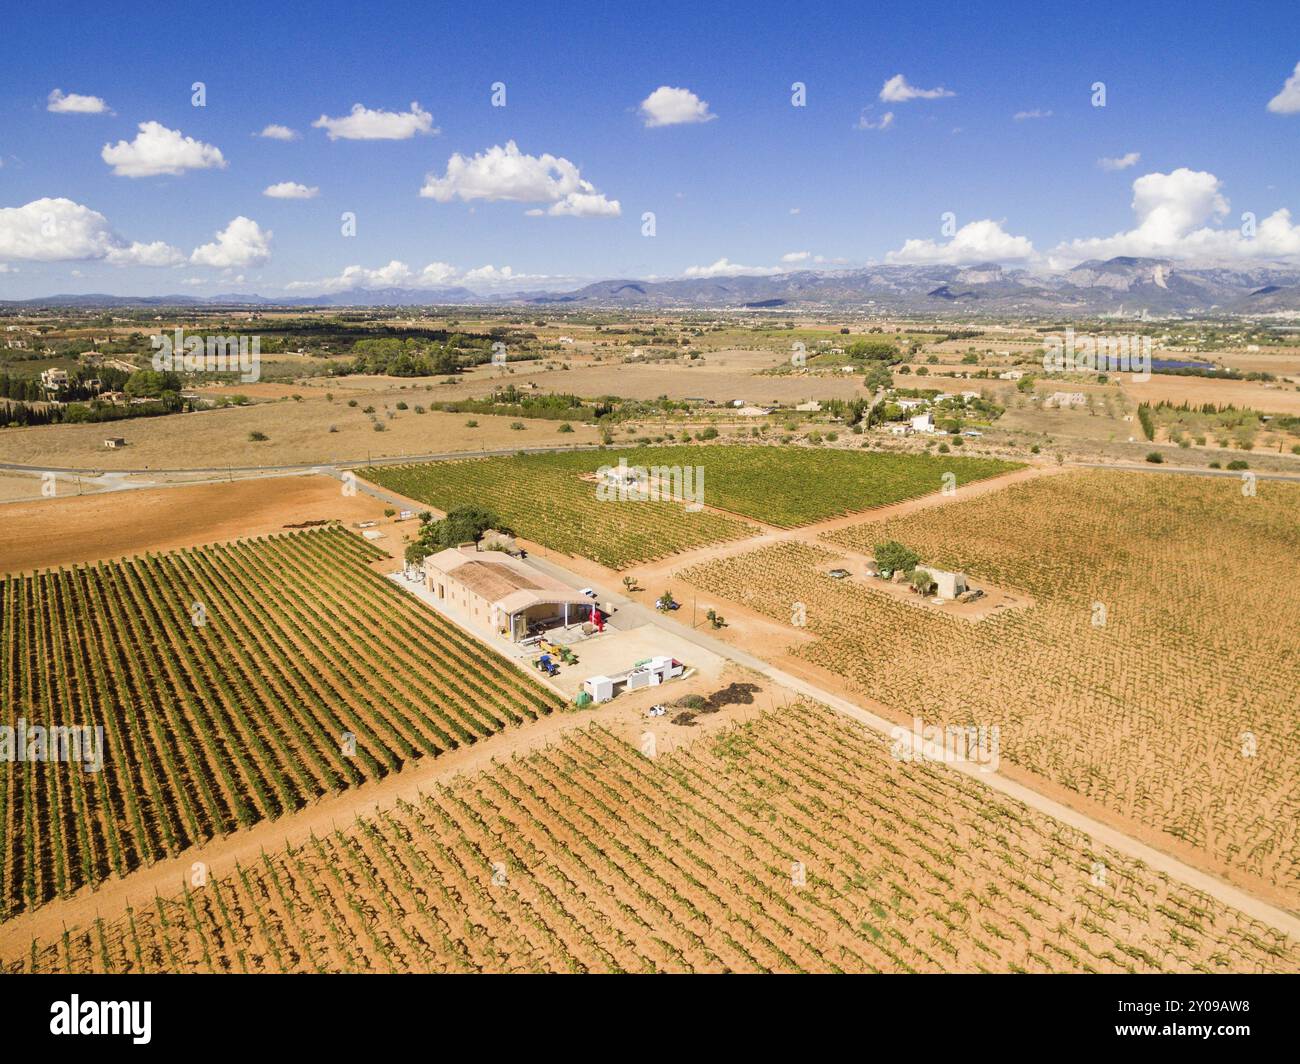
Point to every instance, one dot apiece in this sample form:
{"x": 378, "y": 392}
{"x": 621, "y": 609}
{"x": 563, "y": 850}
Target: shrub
{"x": 1155, "y": 457}
{"x": 257, "y": 437}
{"x": 471, "y": 424}
{"x": 1238, "y": 463}
{"x": 565, "y": 427}
{"x": 518, "y": 426}
{"x": 352, "y": 402}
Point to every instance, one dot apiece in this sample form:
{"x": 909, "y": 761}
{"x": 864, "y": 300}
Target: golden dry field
{"x": 298, "y": 433}
{"x": 1157, "y": 673}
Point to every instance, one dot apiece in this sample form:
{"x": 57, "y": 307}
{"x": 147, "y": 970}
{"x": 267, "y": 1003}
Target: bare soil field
{"x": 792, "y": 841}
{"x": 1271, "y": 399}
{"x": 1126, "y": 682}
{"x": 92, "y": 528}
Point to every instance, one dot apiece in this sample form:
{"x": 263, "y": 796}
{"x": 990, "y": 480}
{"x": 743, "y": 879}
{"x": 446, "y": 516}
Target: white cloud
{"x": 506, "y": 173}
{"x": 291, "y": 190}
{"x": 796, "y": 256}
{"x": 159, "y": 150}
{"x": 898, "y": 90}
{"x": 865, "y": 121}
{"x": 488, "y": 275}
{"x": 725, "y": 268}
{"x": 59, "y": 230}
{"x": 1119, "y": 162}
{"x": 365, "y": 124}
{"x": 398, "y": 274}
{"x": 274, "y": 132}
{"x": 71, "y": 103}
{"x": 795, "y": 210}
{"x": 667, "y": 106}
{"x": 1287, "y": 102}
{"x": 242, "y": 243}
{"x": 156, "y": 254}
{"x": 6, "y": 268}
{"x": 1175, "y": 213}
{"x": 982, "y": 241}
{"x": 1024, "y": 116}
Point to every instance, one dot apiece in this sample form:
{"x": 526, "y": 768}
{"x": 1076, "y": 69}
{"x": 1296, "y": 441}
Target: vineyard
{"x": 1157, "y": 673}
{"x": 544, "y": 499}
{"x": 233, "y": 684}
{"x": 792, "y": 842}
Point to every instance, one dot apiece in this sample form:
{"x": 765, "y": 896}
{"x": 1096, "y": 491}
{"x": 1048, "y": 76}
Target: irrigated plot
{"x": 793, "y": 842}
{"x": 545, "y": 497}
{"x": 232, "y": 684}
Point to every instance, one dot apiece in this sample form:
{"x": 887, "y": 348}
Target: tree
{"x": 464, "y": 524}
{"x": 894, "y": 557}
{"x": 151, "y": 384}
{"x": 922, "y": 581}
{"x": 876, "y": 350}
{"x": 878, "y": 376}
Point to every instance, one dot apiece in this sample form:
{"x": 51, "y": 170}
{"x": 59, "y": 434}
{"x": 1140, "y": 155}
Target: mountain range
{"x": 1124, "y": 285}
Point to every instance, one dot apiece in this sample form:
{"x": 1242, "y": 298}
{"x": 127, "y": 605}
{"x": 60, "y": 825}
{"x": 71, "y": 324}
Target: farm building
{"x": 923, "y": 423}
{"x": 502, "y": 594}
{"x": 114, "y": 442}
{"x": 947, "y": 585}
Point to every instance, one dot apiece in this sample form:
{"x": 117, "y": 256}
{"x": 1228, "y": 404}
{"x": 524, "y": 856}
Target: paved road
{"x": 1108, "y": 836}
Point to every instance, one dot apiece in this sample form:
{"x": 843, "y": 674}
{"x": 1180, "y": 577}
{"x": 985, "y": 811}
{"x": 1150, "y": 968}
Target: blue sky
{"x": 1187, "y": 89}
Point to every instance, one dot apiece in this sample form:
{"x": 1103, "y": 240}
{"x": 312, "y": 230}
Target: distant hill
{"x": 987, "y": 289}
